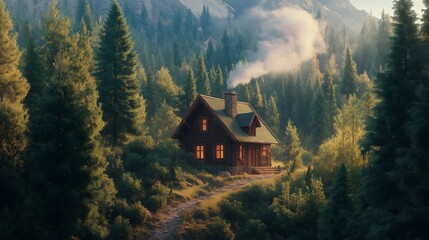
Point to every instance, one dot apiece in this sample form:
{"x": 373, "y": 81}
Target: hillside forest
{"x": 89, "y": 101}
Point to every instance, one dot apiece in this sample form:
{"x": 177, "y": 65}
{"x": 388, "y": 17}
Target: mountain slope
{"x": 338, "y": 13}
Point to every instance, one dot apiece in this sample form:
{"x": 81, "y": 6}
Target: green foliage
{"x": 343, "y": 147}
{"x": 257, "y": 100}
{"x": 84, "y": 15}
{"x": 329, "y": 89}
{"x": 385, "y": 188}
{"x": 66, "y": 138}
{"x": 34, "y": 72}
{"x": 333, "y": 223}
{"x": 295, "y": 212}
{"x": 163, "y": 123}
{"x": 55, "y": 34}
{"x": 254, "y": 229}
{"x": 203, "y": 81}
{"x": 383, "y": 37}
{"x": 219, "y": 82}
{"x": 190, "y": 88}
{"x": 165, "y": 89}
{"x": 293, "y": 147}
{"x": 13, "y": 128}
{"x": 273, "y": 115}
{"x": 350, "y": 76}
{"x": 123, "y": 105}
{"x": 232, "y": 211}
{"x": 13, "y": 90}
{"x": 319, "y": 117}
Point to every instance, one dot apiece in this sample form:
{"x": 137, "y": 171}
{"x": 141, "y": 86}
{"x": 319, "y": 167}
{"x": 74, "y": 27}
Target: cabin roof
{"x": 245, "y": 119}
{"x": 234, "y": 126}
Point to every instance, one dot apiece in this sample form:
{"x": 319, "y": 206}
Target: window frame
{"x": 199, "y": 152}
{"x": 241, "y": 152}
{"x": 202, "y": 125}
{"x": 221, "y": 151}
{"x": 264, "y": 151}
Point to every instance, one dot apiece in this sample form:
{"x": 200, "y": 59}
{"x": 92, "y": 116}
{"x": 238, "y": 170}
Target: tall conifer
{"x": 34, "y": 72}
{"x": 13, "y": 126}
{"x": 382, "y": 190}
{"x": 273, "y": 115}
{"x": 319, "y": 117}
{"x": 220, "y": 85}
{"x": 84, "y": 14}
{"x": 350, "y": 76}
{"x": 191, "y": 88}
{"x": 328, "y": 88}
{"x": 123, "y": 105}
{"x": 333, "y": 224}
{"x": 68, "y": 167}
{"x": 257, "y": 98}
{"x": 13, "y": 90}
{"x": 203, "y": 81}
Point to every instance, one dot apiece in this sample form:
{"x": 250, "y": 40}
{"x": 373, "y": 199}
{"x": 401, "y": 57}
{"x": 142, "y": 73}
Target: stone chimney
{"x": 231, "y": 103}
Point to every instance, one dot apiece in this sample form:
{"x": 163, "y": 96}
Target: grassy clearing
{"x": 191, "y": 192}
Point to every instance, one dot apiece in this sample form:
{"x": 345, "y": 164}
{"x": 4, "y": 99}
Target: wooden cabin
{"x": 227, "y": 133}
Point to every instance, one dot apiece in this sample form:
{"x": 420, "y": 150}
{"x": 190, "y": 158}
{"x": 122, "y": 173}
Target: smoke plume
{"x": 288, "y": 37}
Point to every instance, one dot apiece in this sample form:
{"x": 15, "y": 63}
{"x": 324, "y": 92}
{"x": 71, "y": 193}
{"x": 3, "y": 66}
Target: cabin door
{"x": 252, "y": 156}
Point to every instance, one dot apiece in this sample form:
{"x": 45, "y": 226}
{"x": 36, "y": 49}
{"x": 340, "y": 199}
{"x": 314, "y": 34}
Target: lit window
{"x": 264, "y": 150}
{"x": 199, "y": 152}
{"x": 219, "y": 151}
{"x": 241, "y": 152}
{"x": 204, "y": 124}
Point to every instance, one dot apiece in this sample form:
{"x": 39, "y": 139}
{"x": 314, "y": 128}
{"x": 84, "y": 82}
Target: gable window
{"x": 219, "y": 149}
{"x": 204, "y": 124}
{"x": 264, "y": 150}
{"x": 199, "y": 152}
{"x": 241, "y": 152}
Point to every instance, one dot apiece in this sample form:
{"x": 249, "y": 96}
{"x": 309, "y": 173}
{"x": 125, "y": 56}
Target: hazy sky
{"x": 378, "y": 5}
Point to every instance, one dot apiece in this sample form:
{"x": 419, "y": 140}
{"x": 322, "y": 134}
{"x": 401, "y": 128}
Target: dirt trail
{"x": 173, "y": 215}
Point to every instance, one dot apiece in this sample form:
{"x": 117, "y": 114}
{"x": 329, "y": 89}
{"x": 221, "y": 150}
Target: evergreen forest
{"x": 91, "y": 92}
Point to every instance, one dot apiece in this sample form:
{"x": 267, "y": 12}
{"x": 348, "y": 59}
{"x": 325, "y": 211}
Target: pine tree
{"x": 203, "y": 81}
{"x": 328, "y": 88}
{"x": 191, "y": 88}
{"x": 220, "y": 85}
{"x": 319, "y": 117}
{"x": 350, "y": 76}
{"x": 84, "y": 15}
{"x": 166, "y": 89}
{"x": 210, "y": 53}
{"x": 35, "y": 73}
{"x": 257, "y": 101}
{"x": 150, "y": 94}
{"x": 293, "y": 147}
{"x": 13, "y": 90}
{"x": 332, "y": 67}
{"x": 123, "y": 105}
{"x": 247, "y": 97}
{"x": 68, "y": 168}
{"x": 205, "y": 20}
{"x": 315, "y": 75}
{"x": 333, "y": 223}
{"x": 144, "y": 19}
{"x": 13, "y": 127}
{"x": 226, "y": 50}
{"x": 163, "y": 123}
{"x": 382, "y": 190}
{"x": 272, "y": 115}
{"x": 424, "y": 30}
{"x": 55, "y": 34}
{"x": 383, "y": 37}
{"x": 212, "y": 77}
{"x": 414, "y": 213}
